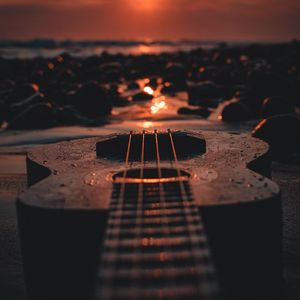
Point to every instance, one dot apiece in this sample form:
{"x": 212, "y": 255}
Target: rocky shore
{"x": 256, "y": 81}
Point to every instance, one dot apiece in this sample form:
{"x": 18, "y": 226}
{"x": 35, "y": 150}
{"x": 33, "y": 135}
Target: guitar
{"x": 151, "y": 215}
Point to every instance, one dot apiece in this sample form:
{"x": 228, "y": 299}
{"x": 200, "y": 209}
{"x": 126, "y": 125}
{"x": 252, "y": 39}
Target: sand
{"x": 12, "y": 182}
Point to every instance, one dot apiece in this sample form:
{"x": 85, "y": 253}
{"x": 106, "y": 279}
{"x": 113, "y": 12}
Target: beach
{"x": 251, "y": 89}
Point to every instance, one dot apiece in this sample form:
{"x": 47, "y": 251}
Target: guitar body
{"x": 156, "y": 215}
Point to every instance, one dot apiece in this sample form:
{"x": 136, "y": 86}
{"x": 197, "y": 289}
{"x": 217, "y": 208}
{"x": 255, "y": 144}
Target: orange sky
{"x": 154, "y": 19}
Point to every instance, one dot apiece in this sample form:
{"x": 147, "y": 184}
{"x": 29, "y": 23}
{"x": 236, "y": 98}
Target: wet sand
{"x": 12, "y": 182}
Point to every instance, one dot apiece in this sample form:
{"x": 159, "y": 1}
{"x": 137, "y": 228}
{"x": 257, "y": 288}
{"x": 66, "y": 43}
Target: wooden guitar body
{"x": 81, "y": 240}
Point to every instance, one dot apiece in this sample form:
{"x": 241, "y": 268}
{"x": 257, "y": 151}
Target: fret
{"x": 153, "y": 249}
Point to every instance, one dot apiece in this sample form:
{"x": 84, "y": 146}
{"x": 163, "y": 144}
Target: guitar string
{"x": 112, "y": 222}
{"x": 161, "y": 188}
{"x": 162, "y": 200}
{"x": 139, "y": 207}
{"x": 187, "y": 206}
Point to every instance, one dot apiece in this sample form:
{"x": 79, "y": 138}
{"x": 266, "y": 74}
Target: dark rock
{"x": 153, "y": 83}
{"x": 203, "y": 93}
{"x": 92, "y": 100}
{"x": 133, "y": 86}
{"x": 169, "y": 88}
{"x": 235, "y": 111}
{"x": 40, "y": 115}
{"x": 3, "y": 113}
{"x": 282, "y": 132}
{"x": 115, "y": 96}
{"x": 33, "y": 99}
{"x": 24, "y": 91}
{"x": 176, "y": 74}
{"x": 275, "y": 106}
{"x": 203, "y": 112}
{"x": 109, "y": 72}
{"x": 142, "y": 96}
{"x": 67, "y": 115}
{"x": 265, "y": 84}
{"x": 252, "y": 101}
{"x": 6, "y": 85}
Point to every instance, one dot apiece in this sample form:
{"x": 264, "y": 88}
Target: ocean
{"x": 48, "y": 48}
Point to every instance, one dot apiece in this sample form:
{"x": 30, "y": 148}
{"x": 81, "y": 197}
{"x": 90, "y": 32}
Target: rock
{"x": 176, "y": 74}
{"x": 282, "y": 132}
{"x": 3, "y": 113}
{"x": 133, "y": 86}
{"x": 68, "y": 115}
{"x": 203, "y": 93}
{"x": 265, "y": 84}
{"x": 253, "y": 102}
{"x": 106, "y": 72}
{"x": 92, "y": 100}
{"x": 24, "y": 91}
{"x": 235, "y": 111}
{"x": 153, "y": 83}
{"x": 203, "y": 112}
{"x": 142, "y": 96}
{"x": 168, "y": 88}
{"x": 115, "y": 96}
{"x": 33, "y": 99}
{"x": 41, "y": 115}
{"x": 6, "y": 85}
{"x": 275, "y": 106}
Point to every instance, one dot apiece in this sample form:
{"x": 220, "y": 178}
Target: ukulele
{"x": 151, "y": 215}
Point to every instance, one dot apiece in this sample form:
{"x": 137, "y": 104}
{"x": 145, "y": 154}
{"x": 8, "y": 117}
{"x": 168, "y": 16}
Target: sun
{"x": 145, "y": 5}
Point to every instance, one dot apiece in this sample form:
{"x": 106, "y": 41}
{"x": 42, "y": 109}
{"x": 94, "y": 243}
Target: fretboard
{"x": 155, "y": 246}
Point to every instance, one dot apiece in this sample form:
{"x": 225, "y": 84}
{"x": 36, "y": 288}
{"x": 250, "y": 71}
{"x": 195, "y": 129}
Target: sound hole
{"x": 151, "y": 175}
{"x": 186, "y": 146}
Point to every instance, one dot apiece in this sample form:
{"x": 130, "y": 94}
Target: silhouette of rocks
{"x": 235, "y": 111}
{"x": 41, "y": 115}
{"x": 92, "y": 100}
{"x": 203, "y": 112}
{"x": 133, "y": 86}
{"x": 24, "y": 91}
{"x": 142, "y": 96}
{"x": 275, "y": 106}
{"x": 169, "y": 88}
{"x": 265, "y": 84}
{"x": 282, "y": 132}
{"x": 256, "y": 75}
{"x": 176, "y": 74}
{"x": 204, "y": 93}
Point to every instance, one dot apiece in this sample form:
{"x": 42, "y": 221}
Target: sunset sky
{"x": 154, "y": 19}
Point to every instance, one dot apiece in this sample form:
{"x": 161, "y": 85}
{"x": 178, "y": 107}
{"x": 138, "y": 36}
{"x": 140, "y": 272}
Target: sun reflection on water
{"x": 148, "y": 90}
{"x": 158, "y": 105}
{"x": 147, "y": 124}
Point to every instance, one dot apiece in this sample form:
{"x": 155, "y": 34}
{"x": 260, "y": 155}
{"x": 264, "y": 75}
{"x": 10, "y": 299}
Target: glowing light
{"x": 158, "y": 105}
{"x": 244, "y": 58}
{"x": 145, "y": 5}
{"x": 50, "y": 66}
{"x": 147, "y": 124}
{"x": 148, "y": 90}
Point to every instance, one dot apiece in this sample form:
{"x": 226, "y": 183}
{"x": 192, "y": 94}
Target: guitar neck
{"x": 155, "y": 245}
